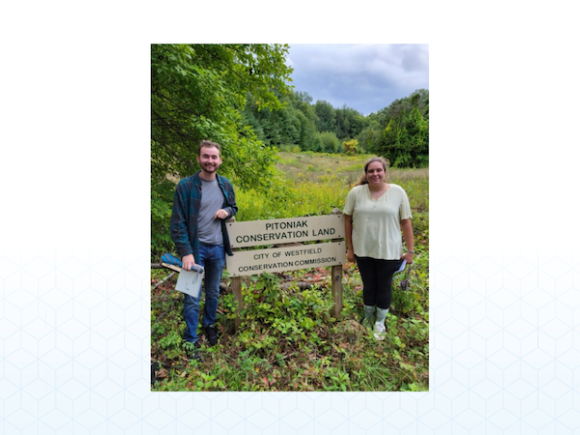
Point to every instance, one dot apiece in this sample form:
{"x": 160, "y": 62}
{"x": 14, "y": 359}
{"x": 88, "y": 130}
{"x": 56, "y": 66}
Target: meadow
{"x": 289, "y": 339}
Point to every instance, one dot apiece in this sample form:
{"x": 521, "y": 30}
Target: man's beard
{"x": 209, "y": 168}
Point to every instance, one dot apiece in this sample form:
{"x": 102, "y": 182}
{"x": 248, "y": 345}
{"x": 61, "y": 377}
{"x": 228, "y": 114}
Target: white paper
{"x": 403, "y": 264}
{"x": 189, "y": 283}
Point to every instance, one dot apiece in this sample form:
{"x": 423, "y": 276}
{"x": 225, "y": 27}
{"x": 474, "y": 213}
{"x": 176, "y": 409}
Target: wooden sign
{"x": 280, "y": 259}
{"x": 282, "y": 231}
{"x": 289, "y": 258}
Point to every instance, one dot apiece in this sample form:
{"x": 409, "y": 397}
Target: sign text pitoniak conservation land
{"x": 281, "y": 231}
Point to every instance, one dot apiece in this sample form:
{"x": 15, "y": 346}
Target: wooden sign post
{"x": 337, "y": 276}
{"x": 294, "y": 231}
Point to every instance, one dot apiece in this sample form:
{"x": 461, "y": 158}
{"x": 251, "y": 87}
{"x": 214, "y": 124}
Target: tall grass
{"x": 314, "y": 184}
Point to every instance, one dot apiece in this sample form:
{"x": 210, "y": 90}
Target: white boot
{"x": 379, "y": 331}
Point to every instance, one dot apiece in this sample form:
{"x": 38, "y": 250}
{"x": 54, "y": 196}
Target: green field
{"x": 289, "y": 340}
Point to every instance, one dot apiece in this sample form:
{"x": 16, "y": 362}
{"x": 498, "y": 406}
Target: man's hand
{"x": 220, "y": 214}
{"x": 187, "y": 262}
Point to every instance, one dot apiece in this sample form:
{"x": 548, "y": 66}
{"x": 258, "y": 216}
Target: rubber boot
{"x": 380, "y": 323}
{"x": 382, "y": 315}
{"x": 369, "y": 312}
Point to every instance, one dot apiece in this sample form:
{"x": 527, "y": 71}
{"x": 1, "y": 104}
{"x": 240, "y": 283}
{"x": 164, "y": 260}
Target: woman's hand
{"x": 350, "y": 255}
{"x": 408, "y": 257}
{"x": 407, "y": 228}
{"x": 348, "y": 237}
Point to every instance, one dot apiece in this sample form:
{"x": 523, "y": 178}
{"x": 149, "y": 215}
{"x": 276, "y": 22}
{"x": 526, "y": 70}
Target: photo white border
{"x": 74, "y": 238}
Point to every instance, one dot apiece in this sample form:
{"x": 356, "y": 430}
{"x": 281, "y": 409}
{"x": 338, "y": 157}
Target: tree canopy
{"x": 199, "y": 91}
{"x": 405, "y": 131}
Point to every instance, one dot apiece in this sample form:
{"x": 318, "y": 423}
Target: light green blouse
{"x": 376, "y": 228}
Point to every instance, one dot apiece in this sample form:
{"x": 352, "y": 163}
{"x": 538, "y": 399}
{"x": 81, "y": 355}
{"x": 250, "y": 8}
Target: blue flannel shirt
{"x": 186, "y": 205}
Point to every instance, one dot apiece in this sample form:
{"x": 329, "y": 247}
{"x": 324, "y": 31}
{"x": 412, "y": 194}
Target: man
{"x": 201, "y": 205}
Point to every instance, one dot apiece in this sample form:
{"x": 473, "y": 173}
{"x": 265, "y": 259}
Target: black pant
{"x": 377, "y": 278}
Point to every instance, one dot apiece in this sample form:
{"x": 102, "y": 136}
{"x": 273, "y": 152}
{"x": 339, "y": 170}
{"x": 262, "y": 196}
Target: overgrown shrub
{"x": 161, "y": 204}
{"x": 328, "y": 142}
{"x": 350, "y": 146}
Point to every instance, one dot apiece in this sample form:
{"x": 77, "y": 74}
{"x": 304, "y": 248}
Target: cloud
{"x": 364, "y": 77}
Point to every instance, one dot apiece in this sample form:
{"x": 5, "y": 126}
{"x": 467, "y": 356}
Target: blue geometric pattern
{"x": 74, "y": 334}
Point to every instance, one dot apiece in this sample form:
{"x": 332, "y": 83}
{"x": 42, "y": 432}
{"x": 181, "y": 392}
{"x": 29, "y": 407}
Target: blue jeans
{"x": 213, "y": 259}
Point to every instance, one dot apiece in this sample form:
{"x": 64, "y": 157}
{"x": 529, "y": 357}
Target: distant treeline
{"x": 400, "y": 131}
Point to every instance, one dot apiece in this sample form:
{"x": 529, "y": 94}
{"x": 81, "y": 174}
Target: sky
{"x": 365, "y": 77}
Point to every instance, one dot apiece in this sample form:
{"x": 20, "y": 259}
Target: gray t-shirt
{"x": 209, "y": 230}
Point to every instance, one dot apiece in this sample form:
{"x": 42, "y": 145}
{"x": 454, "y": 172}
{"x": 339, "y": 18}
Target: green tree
{"x": 369, "y": 137}
{"x": 328, "y": 142}
{"x": 277, "y": 127}
{"x": 418, "y": 129}
{"x": 307, "y": 117}
{"x": 405, "y": 136}
{"x": 349, "y": 122}
{"x": 326, "y": 116}
{"x": 198, "y": 92}
{"x": 307, "y": 132}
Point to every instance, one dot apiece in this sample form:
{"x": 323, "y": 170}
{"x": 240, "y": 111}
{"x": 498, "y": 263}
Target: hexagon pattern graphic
{"x": 74, "y": 331}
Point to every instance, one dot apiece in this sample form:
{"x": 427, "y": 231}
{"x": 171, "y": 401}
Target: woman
{"x": 375, "y": 212}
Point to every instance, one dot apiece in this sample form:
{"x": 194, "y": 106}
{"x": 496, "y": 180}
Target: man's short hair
{"x": 208, "y": 143}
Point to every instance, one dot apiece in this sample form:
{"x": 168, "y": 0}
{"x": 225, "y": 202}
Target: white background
{"x": 74, "y": 234}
